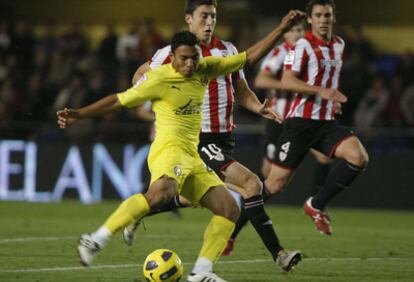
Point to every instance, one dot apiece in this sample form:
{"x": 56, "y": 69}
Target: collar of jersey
{"x": 315, "y": 40}
{"x": 215, "y": 43}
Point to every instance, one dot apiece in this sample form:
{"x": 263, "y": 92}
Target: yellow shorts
{"x": 189, "y": 170}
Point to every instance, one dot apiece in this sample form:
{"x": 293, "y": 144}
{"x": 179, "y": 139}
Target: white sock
{"x": 102, "y": 236}
{"x": 203, "y": 265}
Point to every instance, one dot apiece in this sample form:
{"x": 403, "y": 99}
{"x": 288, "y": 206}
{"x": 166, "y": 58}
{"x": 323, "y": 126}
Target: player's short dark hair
{"x": 312, "y": 3}
{"x": 183, "y": 38}
{"x": 299, "y": 21}
{"x": 191, "y": 5}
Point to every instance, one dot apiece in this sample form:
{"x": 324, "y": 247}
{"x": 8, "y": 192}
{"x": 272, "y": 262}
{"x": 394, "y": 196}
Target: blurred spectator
{"x": 127, "y": 43}
{"x": 11, "y": 99}
{"x": 5, "y": 40}
{"x": 361, "y": 44}
{"x": 49, "y": 41}
{"x": 151, "y": 40}
{"x": 370, "y": 108}
{"x": 22, "y": 44}
{"x": 393, "y": 113}
{"x": 407, "y": 67}
{"x": 37, "y": 100}
{"x": 107, "y": 48}
{"x": 73, "y": 96}
{"x": 60, "y": 69}
{"x": 407, "y": 105}
{"x": 74, "y": 42}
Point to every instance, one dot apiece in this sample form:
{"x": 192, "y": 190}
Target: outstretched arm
{"x": 291, "y": 83}
{"x": 248, "y": 99}
{"x": 103, "y": 106}
{"x": 261, "y": 48}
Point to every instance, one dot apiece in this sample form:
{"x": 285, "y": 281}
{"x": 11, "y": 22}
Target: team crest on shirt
{"x": 204, "y": 79}
{"x": 178, "y": 171}
{"x": 290, "y": 57}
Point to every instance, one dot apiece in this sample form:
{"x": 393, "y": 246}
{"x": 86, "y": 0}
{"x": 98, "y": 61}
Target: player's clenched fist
{"x": 66, "y": 117}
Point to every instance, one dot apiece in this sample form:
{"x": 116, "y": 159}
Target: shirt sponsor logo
{"x": 330, "y": 63}
{"x": 189, "y": 109}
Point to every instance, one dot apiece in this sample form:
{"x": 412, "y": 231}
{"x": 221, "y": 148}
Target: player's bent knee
{"x": 253, "y": 186}
{"x": 161, "y": 191}
{"x": 359, "y": 159}
{"x": 276, "y": 185}
{"x": 232, "y": 212}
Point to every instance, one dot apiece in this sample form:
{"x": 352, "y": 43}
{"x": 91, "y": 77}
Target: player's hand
{"x": 337, "y": 108}
{"x": 332, "y": 94}
{"x": 66, "y": 117}
{"x": 290, "y": 19}
{"x": 268, "y": 113}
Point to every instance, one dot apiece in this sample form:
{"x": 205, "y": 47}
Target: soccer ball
{"x": 163, "y": 266}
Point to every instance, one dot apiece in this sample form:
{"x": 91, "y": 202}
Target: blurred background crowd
{"x": 45, "y": 67}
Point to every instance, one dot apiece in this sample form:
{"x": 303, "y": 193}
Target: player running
{"x": 177, "y": 91}
{"x": 312, "y": 71}
{"x": 269, "y": 78}
{"x": 216, "y": 139}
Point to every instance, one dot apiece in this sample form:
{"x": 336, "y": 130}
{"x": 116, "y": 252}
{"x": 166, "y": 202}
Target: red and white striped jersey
{"x": 273, "y": 63}
{"x": 217, "y": 114}
{"x": 318, "y": 63}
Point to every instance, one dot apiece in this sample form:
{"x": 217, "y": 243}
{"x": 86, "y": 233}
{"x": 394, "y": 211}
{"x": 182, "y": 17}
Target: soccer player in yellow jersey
{"x": 177, "y": 91}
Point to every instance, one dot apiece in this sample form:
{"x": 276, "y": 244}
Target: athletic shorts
{"x": 193, "y": 176}
{"x": 217, "y": 150}
{"x": 273, "y": 130}
{"x": 299, "y": 135}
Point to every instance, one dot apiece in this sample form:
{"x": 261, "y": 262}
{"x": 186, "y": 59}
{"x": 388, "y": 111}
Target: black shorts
{"x": 273, "y": 131}
{"x": 299, "y": 135}
{"x": 217, "y": 150}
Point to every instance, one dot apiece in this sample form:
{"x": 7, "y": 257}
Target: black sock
{"x": 319, "y": 177}
{"x": 339, "y": 179}
{"x": 241, "y": 222}
{"x": 262, "y": 223}
{"x": 266, "y": 195}
{"x": 173, "y": 204}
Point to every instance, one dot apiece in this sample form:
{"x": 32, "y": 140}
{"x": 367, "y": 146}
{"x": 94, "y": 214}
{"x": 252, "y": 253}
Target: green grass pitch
{"x": 38, "y": 243}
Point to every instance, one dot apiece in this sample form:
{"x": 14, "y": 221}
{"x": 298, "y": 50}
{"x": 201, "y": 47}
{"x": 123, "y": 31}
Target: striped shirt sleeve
{"x": 294, "y": 59}
{"x": 161, "y": 57}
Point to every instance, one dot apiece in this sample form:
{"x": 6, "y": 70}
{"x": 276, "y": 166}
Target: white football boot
{"x": 203, "y": 277}
{"x": 87, "y": 249}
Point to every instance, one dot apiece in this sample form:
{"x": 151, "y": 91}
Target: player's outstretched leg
{"x": 130, "y": 210}
{"x": 240, "y": 224}
{"x": 253, "y": 210}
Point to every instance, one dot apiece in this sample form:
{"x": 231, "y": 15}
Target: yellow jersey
{"x": 177, "y": 100}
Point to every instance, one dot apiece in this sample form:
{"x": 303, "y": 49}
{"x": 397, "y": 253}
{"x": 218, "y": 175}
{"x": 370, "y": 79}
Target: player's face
{"x": 185, "y": 59}
{"x": 295, "y": 33}
{"x": 322, "y": 21}
{"x": 202, "y": 22}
